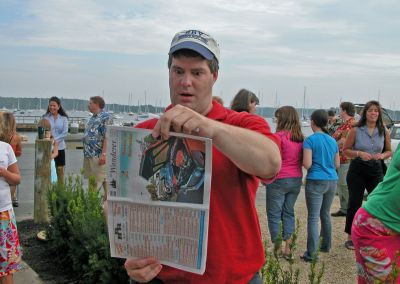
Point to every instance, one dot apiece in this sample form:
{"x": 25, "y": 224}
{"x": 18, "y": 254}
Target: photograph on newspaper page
{"x": 159, "y": 196}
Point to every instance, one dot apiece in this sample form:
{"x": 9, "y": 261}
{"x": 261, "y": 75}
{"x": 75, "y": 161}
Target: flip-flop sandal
{"x": 349, "y": 245}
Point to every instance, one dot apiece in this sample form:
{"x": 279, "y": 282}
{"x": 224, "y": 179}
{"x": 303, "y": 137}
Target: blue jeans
{"x": 319, "y": 197}
{"x": 281, "y": 197}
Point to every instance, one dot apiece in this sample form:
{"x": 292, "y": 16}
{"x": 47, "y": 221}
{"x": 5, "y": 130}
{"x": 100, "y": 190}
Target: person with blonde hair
{"x": 10, "y": 249}
{"x": 282, "y": 193}
{"x": 9, "y": 135}
{"x": 245, "y": 100}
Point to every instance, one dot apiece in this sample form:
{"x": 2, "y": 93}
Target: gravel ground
{"x": 339, "y": 262}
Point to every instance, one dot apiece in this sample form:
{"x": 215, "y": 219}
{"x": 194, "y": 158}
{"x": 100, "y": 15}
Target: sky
{"x": 330, "y": 50}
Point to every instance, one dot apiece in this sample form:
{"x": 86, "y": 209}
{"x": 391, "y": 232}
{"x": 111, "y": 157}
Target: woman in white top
{"x": 58, "y": 119}
{"x": 10, "y": 250}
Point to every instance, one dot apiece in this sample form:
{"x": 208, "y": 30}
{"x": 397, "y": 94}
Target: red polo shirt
{"x": 235, "y": 249}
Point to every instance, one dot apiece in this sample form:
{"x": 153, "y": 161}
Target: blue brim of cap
{"x": 195, "y": 47}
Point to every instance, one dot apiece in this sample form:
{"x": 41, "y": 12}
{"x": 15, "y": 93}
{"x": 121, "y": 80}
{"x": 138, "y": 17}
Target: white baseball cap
{"x": 196, "y": 40}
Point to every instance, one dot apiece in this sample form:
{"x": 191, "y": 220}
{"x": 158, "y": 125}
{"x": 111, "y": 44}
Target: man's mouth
{"x": 186, "y": 95}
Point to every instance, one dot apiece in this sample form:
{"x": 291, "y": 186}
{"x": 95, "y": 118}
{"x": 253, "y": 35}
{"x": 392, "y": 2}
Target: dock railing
{"x": 29, "y": 122}
{"x": 34, "y": 119}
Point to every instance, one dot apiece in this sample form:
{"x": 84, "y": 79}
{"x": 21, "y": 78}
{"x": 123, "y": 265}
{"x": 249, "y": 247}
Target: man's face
{"x": 191, "y": 82}
{"x": 93, "y": 107}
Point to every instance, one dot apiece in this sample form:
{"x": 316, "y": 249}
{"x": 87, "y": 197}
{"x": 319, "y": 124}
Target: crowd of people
{"x": 55, "y": 128}
{"x": 342, "y": 156}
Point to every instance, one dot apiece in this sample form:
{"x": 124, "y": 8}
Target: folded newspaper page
{"x": 159, "y": 197}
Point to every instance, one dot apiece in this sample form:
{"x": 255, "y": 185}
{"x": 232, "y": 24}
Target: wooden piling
{"x": 42, "y": 180}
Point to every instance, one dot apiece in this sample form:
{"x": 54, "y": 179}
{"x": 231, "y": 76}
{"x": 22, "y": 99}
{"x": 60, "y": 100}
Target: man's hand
{"x": 142, "y": 270}
{"x": 182, "y": 119}
{"x": 102, "y": 160}
{"x": 250, "y": 151}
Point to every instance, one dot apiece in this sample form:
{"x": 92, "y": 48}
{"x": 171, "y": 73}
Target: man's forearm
{"x": 104, "y": 148}
{"x": 251, "y": 151}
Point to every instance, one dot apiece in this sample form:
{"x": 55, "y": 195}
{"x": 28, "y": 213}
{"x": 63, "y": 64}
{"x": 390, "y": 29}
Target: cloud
{"x": 142, "y": 27}
{"x": 284, "y": 39}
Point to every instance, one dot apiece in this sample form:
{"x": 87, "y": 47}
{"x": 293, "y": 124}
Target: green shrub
{"x": 315, "y": 276}
{"x": 273, "y": 272}
{"x": 58, "y": 231}
{"x": 78, "y": 234}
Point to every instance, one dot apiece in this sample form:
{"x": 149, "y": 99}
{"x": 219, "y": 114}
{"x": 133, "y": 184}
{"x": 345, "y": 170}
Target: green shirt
{"x": 384, "y": 201}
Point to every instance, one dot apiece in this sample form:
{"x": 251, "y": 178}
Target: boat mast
{"x": 146, "y": 108}
{"x": 304, "y": 104}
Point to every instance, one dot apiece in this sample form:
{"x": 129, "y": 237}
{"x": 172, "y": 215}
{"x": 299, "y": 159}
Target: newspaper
{"x": 159, "y": 197}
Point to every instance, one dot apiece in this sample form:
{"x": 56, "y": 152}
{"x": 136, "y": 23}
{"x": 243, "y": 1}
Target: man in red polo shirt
{"x": 244, "y": 150}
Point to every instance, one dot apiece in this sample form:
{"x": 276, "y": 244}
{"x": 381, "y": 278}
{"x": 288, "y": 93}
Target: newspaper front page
{"x": 159, "y": 197}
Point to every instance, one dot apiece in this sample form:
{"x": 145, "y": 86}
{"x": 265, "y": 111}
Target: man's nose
{"x": 186, "y": 80}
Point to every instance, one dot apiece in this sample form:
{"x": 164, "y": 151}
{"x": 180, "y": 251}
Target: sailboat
{"x": 144, "y": 115}
{"x": 17, "y": 109}
{"x": 304, "y": 120}
{"x": 130, "y": 113}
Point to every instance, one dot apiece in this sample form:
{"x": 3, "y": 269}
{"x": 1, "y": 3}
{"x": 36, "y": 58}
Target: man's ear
{"x": 215, "y": 76}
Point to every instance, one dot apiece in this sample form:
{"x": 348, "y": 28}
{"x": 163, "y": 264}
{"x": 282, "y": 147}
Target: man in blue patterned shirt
{"x": 94, "y": 142}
